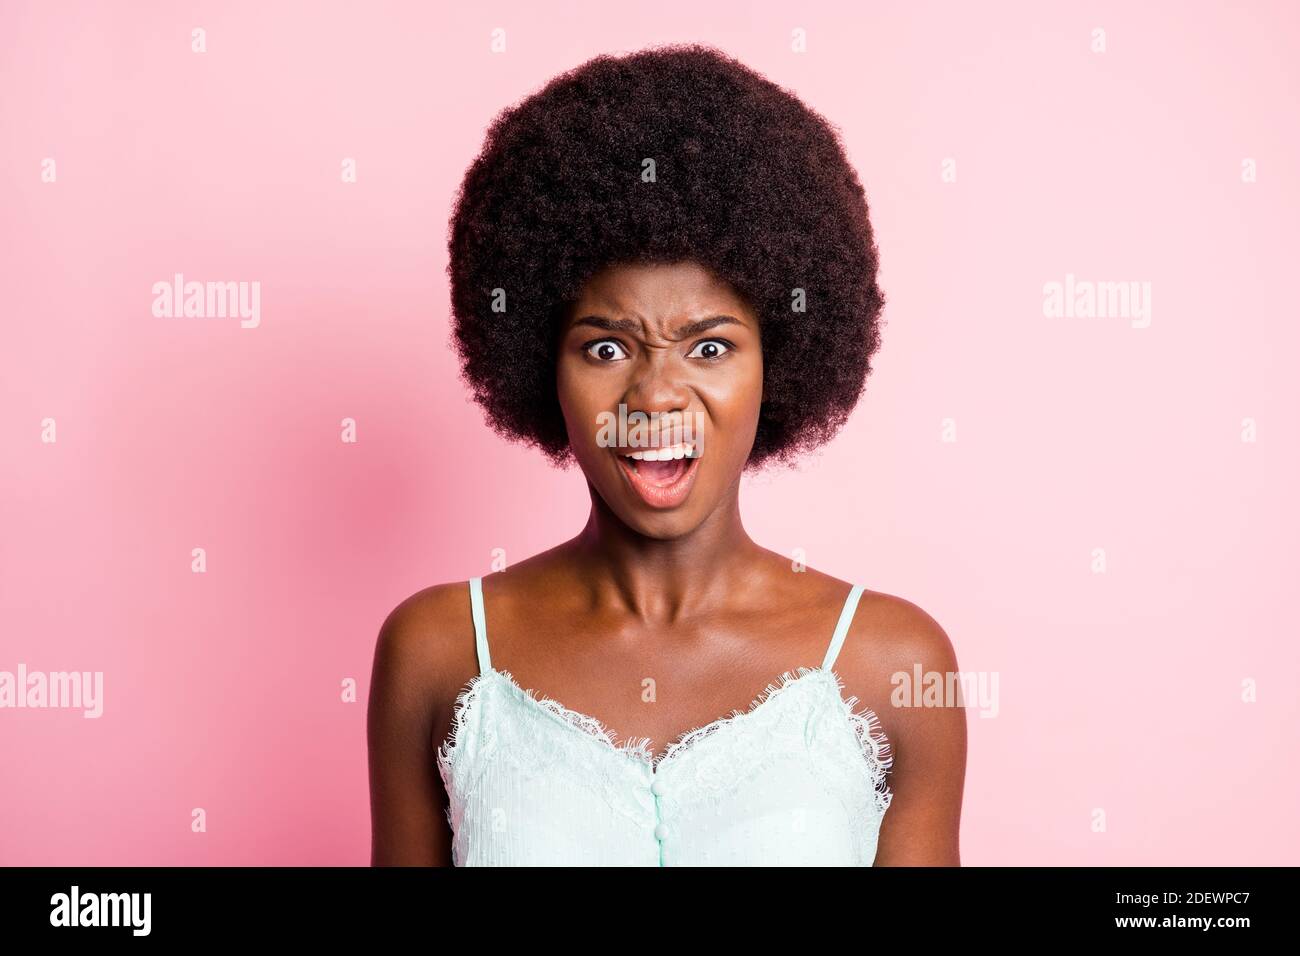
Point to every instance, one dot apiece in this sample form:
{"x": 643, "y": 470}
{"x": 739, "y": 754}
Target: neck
{"x": 664, "y": 579}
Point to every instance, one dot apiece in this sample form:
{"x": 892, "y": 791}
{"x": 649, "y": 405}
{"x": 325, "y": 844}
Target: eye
{"x": 606, "y": 350}
{"x": 713, "y": 348}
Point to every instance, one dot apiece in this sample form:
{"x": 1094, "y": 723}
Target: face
{"x": 680, "y": 346}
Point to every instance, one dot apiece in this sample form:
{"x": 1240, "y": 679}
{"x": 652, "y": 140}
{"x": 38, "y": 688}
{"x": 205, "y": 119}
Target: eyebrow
{"x": 632, "y": 325}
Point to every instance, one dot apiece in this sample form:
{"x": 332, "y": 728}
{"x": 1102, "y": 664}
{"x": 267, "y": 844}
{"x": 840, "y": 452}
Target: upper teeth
{"x": 662, "y": 454}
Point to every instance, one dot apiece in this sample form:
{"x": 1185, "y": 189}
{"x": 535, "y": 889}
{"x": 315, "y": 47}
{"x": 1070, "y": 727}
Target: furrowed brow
{"x": 608, "y": 325}
{"x": 632, "y": 325}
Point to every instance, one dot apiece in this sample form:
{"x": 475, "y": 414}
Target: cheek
{"x": 733, "y": 407}
{"x": 735, "y": 399}
{"x": 581, "y": 399}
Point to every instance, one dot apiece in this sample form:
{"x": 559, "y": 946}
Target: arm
{"x": 407, "y": 798}
{"x": 922, "y": 825}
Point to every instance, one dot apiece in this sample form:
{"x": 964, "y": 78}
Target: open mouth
{"x": 661, "y": 476}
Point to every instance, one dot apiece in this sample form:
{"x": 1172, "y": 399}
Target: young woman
{"x": 667, "y": 238}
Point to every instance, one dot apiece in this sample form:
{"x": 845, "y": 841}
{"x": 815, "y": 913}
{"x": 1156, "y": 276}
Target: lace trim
{"x": 465, "y": 702}
{"x": 638, "y": 748}
{"x": 874, "y": 745}
{"x": 871, "y": 738}
{"x": 774, "y": 689}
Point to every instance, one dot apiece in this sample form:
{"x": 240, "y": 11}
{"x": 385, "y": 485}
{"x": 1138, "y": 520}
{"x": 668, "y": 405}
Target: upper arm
{"x": 927, "y": 737}
{"x": 407, "y": 799}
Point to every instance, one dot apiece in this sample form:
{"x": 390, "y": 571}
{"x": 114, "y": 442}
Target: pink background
{"x": 1119, "y": 690}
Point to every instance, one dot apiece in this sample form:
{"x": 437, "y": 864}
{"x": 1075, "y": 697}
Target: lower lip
{"x": 661, "y": 496}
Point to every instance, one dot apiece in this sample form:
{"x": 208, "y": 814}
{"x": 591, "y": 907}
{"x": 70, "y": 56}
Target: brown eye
{"x": 606, "y": 350}
{"x": 712, "y": 348}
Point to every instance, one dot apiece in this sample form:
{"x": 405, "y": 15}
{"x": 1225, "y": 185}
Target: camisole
{"x": 799, "y": 779}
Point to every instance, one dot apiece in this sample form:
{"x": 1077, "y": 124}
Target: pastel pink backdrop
{"x": 1119, "y": 691}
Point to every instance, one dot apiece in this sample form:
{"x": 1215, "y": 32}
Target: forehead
{"x": 660, "y": 291}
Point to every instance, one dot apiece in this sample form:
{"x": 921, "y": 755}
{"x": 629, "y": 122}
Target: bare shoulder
{"x": 892, "y": 642}
{"x": 419, "y": 653}
{"x": 422, "y": 642}
{"x": 892, "y": 631}
{"x": 886, "y": 631}
{"x": 413, "y": 628}
{"x": 424, "y": 653}
{"x": 896, "y": 652}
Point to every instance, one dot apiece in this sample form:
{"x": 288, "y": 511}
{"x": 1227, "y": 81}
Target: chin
{"x": 661, "y": 527}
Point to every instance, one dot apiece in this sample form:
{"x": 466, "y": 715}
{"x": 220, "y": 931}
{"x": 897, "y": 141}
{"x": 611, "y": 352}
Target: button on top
{"x": 657, "y": 787}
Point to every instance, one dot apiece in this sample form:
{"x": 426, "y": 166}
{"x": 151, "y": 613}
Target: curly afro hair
{"x": 748, "y": 181}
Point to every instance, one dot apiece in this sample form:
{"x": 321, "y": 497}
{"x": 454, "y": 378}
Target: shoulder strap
{"x": 842, "y": 628}
{"x": 480, "y": 623}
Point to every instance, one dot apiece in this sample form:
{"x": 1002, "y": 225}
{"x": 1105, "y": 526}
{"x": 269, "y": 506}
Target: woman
{"x": 662, "y": 270}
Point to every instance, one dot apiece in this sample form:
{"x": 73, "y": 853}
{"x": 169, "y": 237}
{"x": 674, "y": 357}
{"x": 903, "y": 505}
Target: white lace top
{"x": 798, "y": 779}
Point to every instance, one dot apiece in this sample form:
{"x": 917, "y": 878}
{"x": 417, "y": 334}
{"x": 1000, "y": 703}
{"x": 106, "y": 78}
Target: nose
{"x": 656, "y": 386}
{"x": 658, "y": 391}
